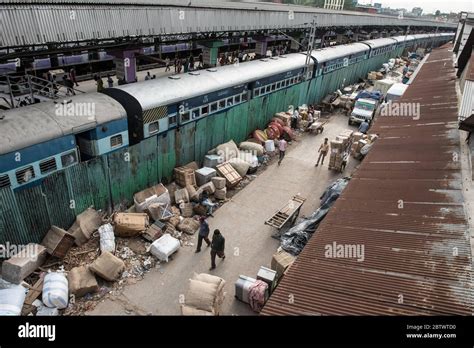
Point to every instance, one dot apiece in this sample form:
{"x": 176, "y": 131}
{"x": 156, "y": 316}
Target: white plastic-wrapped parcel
{"x": 12, "y": 299}
{"x": 164, "y": 246}
{"x": 107, "y": 238}
{"x": 55, "y": 290}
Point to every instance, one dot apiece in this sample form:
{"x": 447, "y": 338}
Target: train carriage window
{"x": 172, "y": 120}
{"x": 25, "y": 174}
{"x": 237, "y": 99}
{"x": 195, "y": 114}
{"x": 268, "y": 89}
{"x": 273, "y": 87}
{"x": 222, "y": 104}
{"x": 48, "y": 165}
{"x": 204, "y": 110}
{"x": 68, "y": 159}
{"x": 186, "y": 116}
{"x": 154, "y": 127}
{"x": 213, "y": 107}
{"x": 256, "y": 92}
{"x": 278, "y": 85}
{"x": 4, "y": 180}
{"x": 230, "y": 101}
{"x": 116, "y": 140}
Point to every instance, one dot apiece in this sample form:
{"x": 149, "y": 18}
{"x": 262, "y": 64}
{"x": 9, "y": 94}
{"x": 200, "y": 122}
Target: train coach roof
{"x": 334, "y": 52}
{"x": 34, "y": 124}
{"x": 380, "y": 42}
{"x": 162, "y": 91}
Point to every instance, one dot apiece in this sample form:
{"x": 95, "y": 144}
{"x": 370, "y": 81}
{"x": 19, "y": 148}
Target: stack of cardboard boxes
{"x": 338, "y": 148}
{"x": 360, "y": 140}
{"x": 335, "y": 158}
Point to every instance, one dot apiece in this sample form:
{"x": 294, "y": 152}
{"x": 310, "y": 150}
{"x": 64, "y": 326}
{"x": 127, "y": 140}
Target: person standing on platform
{"x": 72, "y": 76}
{"x": 217, "y": 248}
{"x": 203, "y": 233}
{"x": 282, "y": 145}
{"x": 110, "y": 82}
{"x": 323, "y": 151}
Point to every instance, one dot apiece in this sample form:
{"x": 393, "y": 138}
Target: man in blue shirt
{"x": 364, "y": 127}
{"x": 203, "y": 233}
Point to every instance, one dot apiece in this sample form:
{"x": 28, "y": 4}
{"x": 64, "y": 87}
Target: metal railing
{"x": 20, "y": 91}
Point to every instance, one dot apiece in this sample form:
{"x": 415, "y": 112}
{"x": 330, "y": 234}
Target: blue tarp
{"x": 376, "y": 95}
{"x": 294, "y": 240}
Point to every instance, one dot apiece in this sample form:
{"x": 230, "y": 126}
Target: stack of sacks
{"x": 220, "y": 185}
{"x": 240, "y": 165}
{"x": 205, "y": 295}
{"x": 253, "y": 148}
{"x": 188, "y": 226}
{"x": 227, "y": 151}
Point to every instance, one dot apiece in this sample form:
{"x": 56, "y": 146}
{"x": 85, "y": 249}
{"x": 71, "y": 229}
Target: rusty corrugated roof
{"x": 417, "y": 260}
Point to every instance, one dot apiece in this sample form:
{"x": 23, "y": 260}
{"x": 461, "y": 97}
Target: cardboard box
{"x": 154, "y": 232}
{"x": 155, "y": 194}
{"x": 357, "y": 136}
{"x": 81, "y": 281}
{"x": 268, "y": 276}
{"x": 281, "y": 261}
{"x": 184, "y": 176}
{"x": 130, "y": 224}
{"x": 212, "y": 161}
{"x": 58, "y": 242}
{"x": 336, "y": 144}
{"x": 86, "y": 223}
{"x": 204, "y": 175}
{"x": 108, "y": 266}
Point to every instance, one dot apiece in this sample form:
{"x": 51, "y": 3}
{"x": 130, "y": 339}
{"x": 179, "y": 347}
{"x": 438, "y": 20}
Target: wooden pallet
{"x": 289, "y": 211}
{"x": 229, "y": 173}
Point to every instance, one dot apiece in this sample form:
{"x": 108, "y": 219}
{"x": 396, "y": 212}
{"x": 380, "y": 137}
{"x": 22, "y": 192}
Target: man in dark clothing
{"x": 72, "y": 76}
{"x": 69, "y": 85}
{"x": 203, "y": 233}
{"x": 217, "y": 248}
{"x": 201, "y": 61}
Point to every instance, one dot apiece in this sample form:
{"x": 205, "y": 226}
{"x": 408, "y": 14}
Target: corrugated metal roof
{"x": 39, "y": 22}
{"x": 417, "y": 260}
{"x": 466, "y": 108}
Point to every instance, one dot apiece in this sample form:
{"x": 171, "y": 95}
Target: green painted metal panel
{"x": 98, "y": 175}
{"x": 167, "y": 158}
{"x": 59, "y": 201}
{"x": 184, "y": 144}
{"x": 12, "y": 226}
{"x": 79, "y": 187}
{"x": 204, "y": 131}
{"x": 253, "y": 114}
{"x": 236, "y": 123}
{"x": 143, "y": 164}
{"x": 217, "y": 132}
{"x": 32, "y": 206}
{"x": 121, "y": 180}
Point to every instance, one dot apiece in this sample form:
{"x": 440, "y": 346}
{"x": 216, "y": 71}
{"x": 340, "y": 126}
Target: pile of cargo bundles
{"x": 359, "y": 141}
{"x": 339, "y": 149}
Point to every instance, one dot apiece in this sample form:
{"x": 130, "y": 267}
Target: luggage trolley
{"x": 287, "y": 215}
